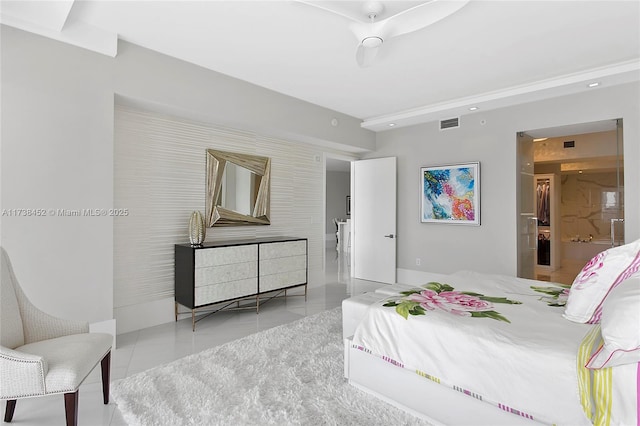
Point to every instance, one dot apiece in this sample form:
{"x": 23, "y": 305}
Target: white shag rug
{"x": 287, "y": 375}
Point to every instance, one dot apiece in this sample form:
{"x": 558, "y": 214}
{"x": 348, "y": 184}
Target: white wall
{"x": 57, "y": 152}
{"x": 492, "y": 247}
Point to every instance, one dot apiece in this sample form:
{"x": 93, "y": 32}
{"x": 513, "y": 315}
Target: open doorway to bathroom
{"x": 578, "y": 190}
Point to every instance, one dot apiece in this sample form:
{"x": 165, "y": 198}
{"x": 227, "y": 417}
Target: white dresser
{"x": 230, "y": 271}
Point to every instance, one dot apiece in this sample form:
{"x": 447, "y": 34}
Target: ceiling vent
{"x": 449, "y": 123}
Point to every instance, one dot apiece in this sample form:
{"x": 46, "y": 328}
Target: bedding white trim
{"x": 419, "y": 396}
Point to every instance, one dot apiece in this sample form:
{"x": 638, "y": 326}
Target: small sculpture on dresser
{"x": 197, "y": 230}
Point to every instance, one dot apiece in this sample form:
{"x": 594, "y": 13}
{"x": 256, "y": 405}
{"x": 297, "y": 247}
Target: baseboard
{"x": 108, "y": 326}
{"x": 144, "y": 315}
{"x": 413, "y": 277}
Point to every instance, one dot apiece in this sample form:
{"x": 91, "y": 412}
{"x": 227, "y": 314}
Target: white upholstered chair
{"x": 43, "y": 355}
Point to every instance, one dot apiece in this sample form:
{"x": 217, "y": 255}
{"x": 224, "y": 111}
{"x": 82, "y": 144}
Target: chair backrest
{"x": 11, "y": 329}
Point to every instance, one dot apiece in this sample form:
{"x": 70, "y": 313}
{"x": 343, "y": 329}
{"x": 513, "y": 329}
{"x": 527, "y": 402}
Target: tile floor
{"x": 565, "y": 274}
{"x": 140, "y": 350}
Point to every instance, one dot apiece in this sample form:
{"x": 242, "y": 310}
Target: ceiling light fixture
{"x": 473, "y": 108}
{"x": 372, "y": 42}
{"x": 392, "y": 124}
{"x": 594, "y": 84}
{"x": 540, "y": 139}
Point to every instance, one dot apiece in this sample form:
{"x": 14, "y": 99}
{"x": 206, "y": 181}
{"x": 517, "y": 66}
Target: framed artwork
{"x": 450, "y": 194}
{"x": 348, "y": 205}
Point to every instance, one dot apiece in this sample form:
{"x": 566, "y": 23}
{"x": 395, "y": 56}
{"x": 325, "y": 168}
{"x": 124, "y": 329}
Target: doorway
{"x": 337, "y": 215}
{"x": 577, "y": 187}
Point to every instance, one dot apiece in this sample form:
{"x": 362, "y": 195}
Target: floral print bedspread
{"x": 499, "y": 337}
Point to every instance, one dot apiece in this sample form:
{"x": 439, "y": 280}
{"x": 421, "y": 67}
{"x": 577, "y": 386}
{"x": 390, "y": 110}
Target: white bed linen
{"x": 528, "y": 365}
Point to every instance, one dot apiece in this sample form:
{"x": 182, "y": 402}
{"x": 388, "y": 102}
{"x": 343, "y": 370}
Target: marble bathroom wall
{"x": 588, "y": 203}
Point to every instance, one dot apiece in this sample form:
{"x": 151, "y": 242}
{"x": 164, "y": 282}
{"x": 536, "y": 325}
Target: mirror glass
{"x": 238, "y": 189}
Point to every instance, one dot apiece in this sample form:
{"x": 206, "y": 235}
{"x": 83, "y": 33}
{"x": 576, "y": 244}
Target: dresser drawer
{"x": 225, "y": 273}
{"x": 282, "y": 280}
{"x": 226, "y": 291}
{"x": 225, "y": 255}
{"x": 283, "y": 264}
{"x": 284, "y": 249}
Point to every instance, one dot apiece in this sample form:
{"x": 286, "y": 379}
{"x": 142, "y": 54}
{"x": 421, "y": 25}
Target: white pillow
{"x": 620, "y": 327}
{"x": 598, "y": 277}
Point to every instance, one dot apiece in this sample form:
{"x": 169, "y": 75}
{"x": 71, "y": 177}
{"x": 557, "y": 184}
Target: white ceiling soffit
{"x": 488, "y": 54}
{"x": 626, "y": 72}
{"x": 49, "y": 19}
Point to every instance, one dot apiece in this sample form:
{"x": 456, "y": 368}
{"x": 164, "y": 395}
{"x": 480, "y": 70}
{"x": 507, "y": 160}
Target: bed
{"x": 473, "y": 349}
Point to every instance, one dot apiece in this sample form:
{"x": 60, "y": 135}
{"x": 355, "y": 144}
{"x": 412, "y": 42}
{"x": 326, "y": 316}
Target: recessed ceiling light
{"x": 473, "y": 108}
{"x": 392, "y": 124}
{"x": 540, "y": 139}
{"x": 594, "y": 84}
{"x": 580, "y": 171}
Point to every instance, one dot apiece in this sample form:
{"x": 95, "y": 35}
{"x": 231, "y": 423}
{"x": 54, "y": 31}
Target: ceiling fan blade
{"x": 320, "y": 5}
{"x": 365, "y": 56}
{"x": 420, "y": 16}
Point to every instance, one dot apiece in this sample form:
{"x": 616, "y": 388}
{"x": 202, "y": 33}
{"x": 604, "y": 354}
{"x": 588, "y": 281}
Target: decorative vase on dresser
{"x": 230, "y": 271}
{"x": 197, "y": 230}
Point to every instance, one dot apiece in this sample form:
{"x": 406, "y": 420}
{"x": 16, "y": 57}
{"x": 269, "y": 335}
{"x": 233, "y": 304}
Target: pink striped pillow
{"x": 598, "y": 277}
{"x": 620, "y": 327}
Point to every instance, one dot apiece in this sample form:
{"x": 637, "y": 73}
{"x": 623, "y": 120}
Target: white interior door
{"x": 373, "y": 217}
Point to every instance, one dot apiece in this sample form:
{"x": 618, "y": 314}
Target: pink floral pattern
{"x": 454, "y": 302}
{"x": 436, "y": 296}
{"x": 589, "y": 271}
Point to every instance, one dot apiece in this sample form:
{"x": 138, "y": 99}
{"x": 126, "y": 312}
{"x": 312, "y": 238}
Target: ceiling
{"x": 488, "y": 54}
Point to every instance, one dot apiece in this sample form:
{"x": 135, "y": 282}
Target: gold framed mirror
{"x": 238, "y": 189}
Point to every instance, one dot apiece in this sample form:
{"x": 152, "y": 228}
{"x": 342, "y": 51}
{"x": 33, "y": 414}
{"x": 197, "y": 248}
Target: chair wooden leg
{"x": 105, "y": 365}
{"x": 71, "y": 408}
{"x": 8, "y": 412}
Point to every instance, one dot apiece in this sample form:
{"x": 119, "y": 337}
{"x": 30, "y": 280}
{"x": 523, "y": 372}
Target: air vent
{"x": 450, "y": 123}
{"x": 569, "y": 144}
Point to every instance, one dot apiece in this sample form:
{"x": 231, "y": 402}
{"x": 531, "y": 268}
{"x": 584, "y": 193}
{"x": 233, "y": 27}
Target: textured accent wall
{"x": 159, "y": 177}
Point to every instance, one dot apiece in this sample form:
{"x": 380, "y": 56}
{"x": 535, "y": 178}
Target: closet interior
{"x": 547, "y": 193}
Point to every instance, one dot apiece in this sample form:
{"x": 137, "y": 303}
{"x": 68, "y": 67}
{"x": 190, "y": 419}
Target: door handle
{"x": 534, "y": 245}
{"x": 389, "y": 236}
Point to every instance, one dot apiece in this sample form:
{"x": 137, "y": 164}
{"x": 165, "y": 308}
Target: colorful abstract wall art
{"x": 450, "y": 194}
